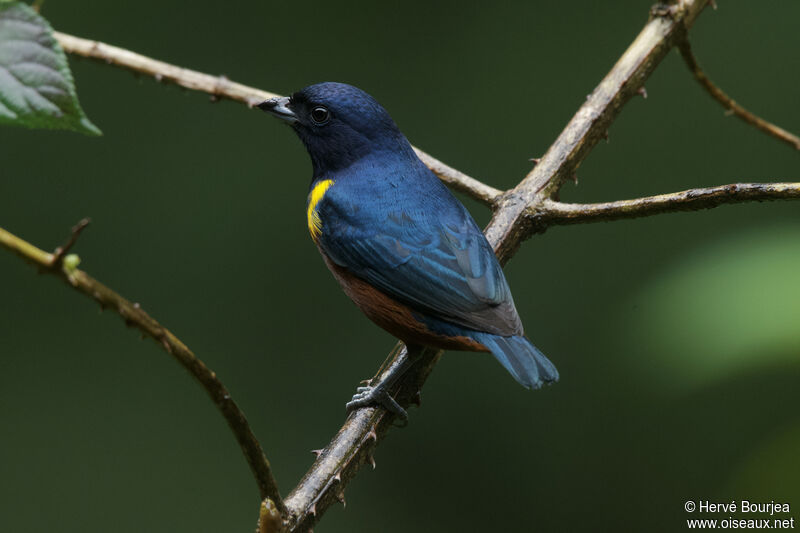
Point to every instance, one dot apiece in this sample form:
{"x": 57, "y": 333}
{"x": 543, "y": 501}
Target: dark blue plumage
{"x": 403, "y": 248}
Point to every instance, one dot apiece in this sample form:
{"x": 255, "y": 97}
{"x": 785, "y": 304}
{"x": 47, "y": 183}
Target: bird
{"x": 402, "y": 247}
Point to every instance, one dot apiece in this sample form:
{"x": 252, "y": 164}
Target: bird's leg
{"x": 379, "y": 394}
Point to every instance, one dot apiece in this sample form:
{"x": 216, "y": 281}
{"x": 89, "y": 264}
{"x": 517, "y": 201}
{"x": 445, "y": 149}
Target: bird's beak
{"x": 279, "y": 107}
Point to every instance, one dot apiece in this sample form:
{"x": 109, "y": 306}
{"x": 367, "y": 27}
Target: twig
{"x": 134, "y": 315}
{"x": 510, "y": 226}
{"x": 61, "y": 251}
{"x": 553, "y": 213}
{"x": 460, "y": 181}
{"x": 217, "y": 86}
{"x": 220, "y": 87}
{"x": 729, "y": 103}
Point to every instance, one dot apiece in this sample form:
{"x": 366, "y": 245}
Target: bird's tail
{"x": 521, "y": 358}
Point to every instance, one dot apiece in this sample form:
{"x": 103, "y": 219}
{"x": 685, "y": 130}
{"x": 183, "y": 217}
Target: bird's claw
{"x": 367, "y": 396}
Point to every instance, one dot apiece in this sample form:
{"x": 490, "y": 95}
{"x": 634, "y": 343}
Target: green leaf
{"x": 36, "y": 88}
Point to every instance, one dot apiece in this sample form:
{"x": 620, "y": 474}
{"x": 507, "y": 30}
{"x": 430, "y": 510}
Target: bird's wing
{"x": 442, "y": 267}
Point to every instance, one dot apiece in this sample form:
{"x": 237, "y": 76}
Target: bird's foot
{"x": 367, "y": 395}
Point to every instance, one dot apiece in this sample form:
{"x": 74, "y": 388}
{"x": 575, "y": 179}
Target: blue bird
{"x": 402, "y": 247}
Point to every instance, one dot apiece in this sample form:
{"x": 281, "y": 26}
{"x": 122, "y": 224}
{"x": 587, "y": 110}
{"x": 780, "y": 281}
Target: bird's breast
{"x": 312, "y": 212}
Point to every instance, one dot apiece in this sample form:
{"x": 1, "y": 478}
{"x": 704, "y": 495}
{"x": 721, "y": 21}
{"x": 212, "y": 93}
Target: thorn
{"x": 729, "y": 112}
{"x": 136, "y": 305}
{"x": 371, "y": 459}
{"x": 417, "y": 399}
{"x": 313, "y": 510}
{"x": 372, "y": 435}
{"x": 166, "y": 345}
{"x": 340, "y": 497}
{"x": 643, "y": 92}
{"x": 158, "y": 77}
{"x": 317, "y": 452}
{"x": 535, "y": 160}
{"x": 214, "y": 98}
{"x": 61, "y": 251}
{"x": 574, "y": 178}
{"x": 338, "y": 477}
{"x": 713, "y": 4}
{"x": 662, "y": 10}
{"x": 605, "y": 135}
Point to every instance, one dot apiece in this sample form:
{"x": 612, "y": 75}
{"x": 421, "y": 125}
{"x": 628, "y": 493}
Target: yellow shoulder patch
{"x": 314, "y": 197}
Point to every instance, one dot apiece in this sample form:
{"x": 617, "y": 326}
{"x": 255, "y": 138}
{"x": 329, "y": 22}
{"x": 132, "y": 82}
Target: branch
{"x": 134, "y": 315}
{"x": 353, "y": 447}
{"x": 667, "y": 24}
{"x": 217, "y": 86}
{"x": 553, "y": 213}
{"x": 221, "y": 88}
{"x": 460, "y": 181}
{"x": 730, "y": 104}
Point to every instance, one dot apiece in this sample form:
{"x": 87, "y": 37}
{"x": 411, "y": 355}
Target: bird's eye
{"x": 320, "y": 115}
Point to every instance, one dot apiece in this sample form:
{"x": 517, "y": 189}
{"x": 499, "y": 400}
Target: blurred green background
{"x": 676, "y": 336}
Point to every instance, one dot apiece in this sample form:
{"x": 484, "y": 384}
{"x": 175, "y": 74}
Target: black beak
{"x": 278, "y": 107}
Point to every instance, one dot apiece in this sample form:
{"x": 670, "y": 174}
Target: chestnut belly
{"x": 395, "y": 317}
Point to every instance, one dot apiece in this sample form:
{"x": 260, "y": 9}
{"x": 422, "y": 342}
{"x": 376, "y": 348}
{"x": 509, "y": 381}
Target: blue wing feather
{"x": 425, "y": 251}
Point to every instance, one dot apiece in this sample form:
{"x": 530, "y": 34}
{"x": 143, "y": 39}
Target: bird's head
{"x": 339, "y": 124}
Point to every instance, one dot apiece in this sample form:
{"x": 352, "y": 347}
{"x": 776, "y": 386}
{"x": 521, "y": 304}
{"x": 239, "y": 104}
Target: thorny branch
{"x": 529, "y": 207}
{"x": 552, "y": 213}
{"x": 134, "y": 315}
{"x": 509, "y": 226}
{"x": 460, "y": 181}
{"x": 220, "y": 87}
